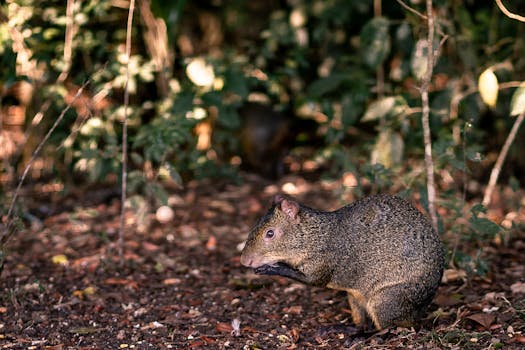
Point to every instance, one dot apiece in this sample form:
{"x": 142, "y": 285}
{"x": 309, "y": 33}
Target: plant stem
{"x": 425, "y": 118}
{"x": 494, "y": 174}
{"x": 125, "y": 138}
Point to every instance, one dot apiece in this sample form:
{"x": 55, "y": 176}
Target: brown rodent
{"x": 381, "y": 250}
{"x": 264, "y": 138}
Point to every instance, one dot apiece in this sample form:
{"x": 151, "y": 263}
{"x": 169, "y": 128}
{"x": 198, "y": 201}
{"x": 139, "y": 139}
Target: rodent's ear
{"x": 290, "y": 208}
{"x": 278, "y": 199}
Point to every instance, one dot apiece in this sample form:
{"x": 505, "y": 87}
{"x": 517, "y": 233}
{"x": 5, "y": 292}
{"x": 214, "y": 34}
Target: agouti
{"x": 264, "y": 139}
{"x": 381, "y": 250}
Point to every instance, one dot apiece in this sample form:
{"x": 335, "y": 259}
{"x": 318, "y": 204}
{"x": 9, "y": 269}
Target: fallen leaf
{"x": 170, "y": 281}
{"x": 296, "y": 309}
{"x": 207, "y": 340}
{"x": 492, "y": 297}
{"x": 197, "y": 344}
{"x": 121, "y": 281}
{"x": 211, "y": 245}
{"x": 60, "y": 259}
{"x": 448, "y": 300}
{"x": 483, "y": 319}
{"x": 85, "y": 330}
{"x": 519, "y": 339}
{"x": 518, "y": 288}
{"x": 236, "y": 324}
{"x": 224, "y": 327}
{"x": 451, "y": 275}
{"x": 150, "y": 247}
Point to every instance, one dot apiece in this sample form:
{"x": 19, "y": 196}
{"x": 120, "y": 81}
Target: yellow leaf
{"x": 89, "y": 290}
{"x": 488, "y": 87}
{"x": 60, "y": 259}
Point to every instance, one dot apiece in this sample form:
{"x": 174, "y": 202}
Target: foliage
{"x": 352, "y": 71}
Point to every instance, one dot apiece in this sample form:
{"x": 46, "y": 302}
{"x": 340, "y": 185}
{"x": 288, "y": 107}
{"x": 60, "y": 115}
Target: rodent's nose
{"x": 246, "y": 261}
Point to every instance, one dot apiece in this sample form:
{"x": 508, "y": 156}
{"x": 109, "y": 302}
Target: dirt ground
{"x": 182, "y": 285}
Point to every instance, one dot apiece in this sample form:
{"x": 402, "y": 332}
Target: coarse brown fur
{"x": 381, "y": 250}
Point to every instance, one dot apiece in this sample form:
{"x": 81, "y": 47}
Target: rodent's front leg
{"x": 282, "y": 269}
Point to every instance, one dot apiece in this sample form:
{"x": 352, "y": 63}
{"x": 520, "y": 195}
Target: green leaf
{"x": 384, "y": 107}
{"x": 484, "y": 226}
{"x": 158, "y": 192}
{"x": 183, "y": 103}
{"x": 517, "y": 104}
{"x": 323, "y": 86}
{"x": 229, "y": 118}
{"x": 236, "y": 83}
{"x": 514, "y": 184}
{"x": 375, "y": 42}
{"x": 478, "y": 208}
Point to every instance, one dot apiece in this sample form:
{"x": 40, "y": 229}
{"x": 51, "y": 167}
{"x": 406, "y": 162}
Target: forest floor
{"x": 182, "y": 285}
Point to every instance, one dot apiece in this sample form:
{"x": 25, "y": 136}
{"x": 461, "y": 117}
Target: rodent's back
{"x": 387, "y": 240}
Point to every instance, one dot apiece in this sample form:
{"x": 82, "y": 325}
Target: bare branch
{"x": 9, "y": 231}
{"x": 494, "y": 174}
{"x": 70, "y": 33}
{"x": 508, "y": 13}
{"x": 125, "y": 136}
{"x": 425, "y": 118}
{"x": 410, "y": 9}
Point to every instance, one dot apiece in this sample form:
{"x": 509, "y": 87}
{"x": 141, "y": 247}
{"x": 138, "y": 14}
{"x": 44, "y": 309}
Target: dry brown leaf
{"x": 121, "y": 281}
{"x": 224, "y": 327}
{"x": 518, "y": 288}
{"x": 492, "y": 297}
{"x": 451, "y": 275}
{"x": 448, "y": 300}
{"x": 296, "y": 309}
{"x": 483, "y": 319}
{"x": 150, "y": 247}
{"x": 520, "y": 339}
{"x": 170, "y": 281}
{"x": 211, "y": 245}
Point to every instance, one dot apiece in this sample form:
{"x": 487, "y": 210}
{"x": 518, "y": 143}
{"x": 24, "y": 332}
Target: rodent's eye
{"x": 269, "y": 234}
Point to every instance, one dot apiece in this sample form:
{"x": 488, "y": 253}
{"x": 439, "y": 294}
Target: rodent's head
{"x": 274, "y": 238}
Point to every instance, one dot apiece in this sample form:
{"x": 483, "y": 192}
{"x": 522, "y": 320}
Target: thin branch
{"x": 456, "y": 100}
{"x": 68, "y": 40}
{"x": 501, "y": 158}
{"x": 508, "y": 13}
{"x": 425, "y": 118}
{"x": 125, "y": 136}
{"x": 380, "y": 71}
{"x": 410, "y": 9}
{"x": 9, "y": 231}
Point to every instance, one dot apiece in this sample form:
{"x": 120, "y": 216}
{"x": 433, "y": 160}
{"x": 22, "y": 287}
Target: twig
{"x": 501, "y": 158}
{"x": 425, "y": 118}
{"x": 380, "y": 71}
{"x": 125, "y": 137}
{"x": 454, "y": 103}
{"x": 410, "y": 9}
{"x": 508, "y": 13}
{"x": 5, "y": 237}
{"x": 70, "y": 33}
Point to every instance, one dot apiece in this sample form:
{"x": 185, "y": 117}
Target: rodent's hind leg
{"x": 358, "y": 311}
{"x": 393, "y": 305}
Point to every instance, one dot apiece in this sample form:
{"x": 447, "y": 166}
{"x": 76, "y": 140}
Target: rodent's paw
{"x": 273, "y": 269}
{"x": 281, "y": 269}
{"x": 268, "y": 269}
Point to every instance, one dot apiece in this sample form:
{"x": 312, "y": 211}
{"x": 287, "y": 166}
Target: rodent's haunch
{"x": 381, "y": 250}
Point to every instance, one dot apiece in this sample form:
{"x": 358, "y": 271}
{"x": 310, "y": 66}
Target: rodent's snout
{"x": 246, "y": 261}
